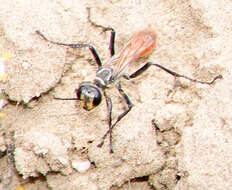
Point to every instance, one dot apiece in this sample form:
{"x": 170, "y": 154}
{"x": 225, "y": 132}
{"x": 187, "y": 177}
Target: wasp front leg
{"x": 109, "y": 110}
{"x": 109, "y": 106}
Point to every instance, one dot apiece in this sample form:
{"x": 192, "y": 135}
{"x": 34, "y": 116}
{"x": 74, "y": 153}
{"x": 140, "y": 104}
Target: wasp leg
{"x": 112, "y": 41}
{"x": 109, "y": 110}
{"x": 147, "y": 65}
{"x": 91, "y": 48}
{"x": 130, "y": 105}
{"x": 112, "y": 34}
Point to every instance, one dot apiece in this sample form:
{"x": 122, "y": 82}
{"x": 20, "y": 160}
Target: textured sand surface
{"x": 51, "y": 144}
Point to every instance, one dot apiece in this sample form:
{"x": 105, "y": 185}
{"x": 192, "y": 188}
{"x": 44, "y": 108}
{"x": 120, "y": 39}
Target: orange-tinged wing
{"x": 140, "y": 44}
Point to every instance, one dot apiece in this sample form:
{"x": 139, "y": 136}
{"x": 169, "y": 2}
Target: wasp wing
{"x": 140, "y": 44}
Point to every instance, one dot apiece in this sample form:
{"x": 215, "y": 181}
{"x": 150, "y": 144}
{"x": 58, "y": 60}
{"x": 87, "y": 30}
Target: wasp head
{"x": 89, "y": 95}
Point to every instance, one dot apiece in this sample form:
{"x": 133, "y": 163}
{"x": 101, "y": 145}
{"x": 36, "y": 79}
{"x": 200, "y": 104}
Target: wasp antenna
{"x": 57, "y": 98}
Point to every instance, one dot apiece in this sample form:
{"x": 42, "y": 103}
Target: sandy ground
{"x": 178, "y": 134}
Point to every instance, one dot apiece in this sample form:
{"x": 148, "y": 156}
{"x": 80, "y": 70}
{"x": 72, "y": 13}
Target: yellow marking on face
{"x": 82, "y": 103}
{"x": 86, "y": 103}
{"x": 89, "y": 104}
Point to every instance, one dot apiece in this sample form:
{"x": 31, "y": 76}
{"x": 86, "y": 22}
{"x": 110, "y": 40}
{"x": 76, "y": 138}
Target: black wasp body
{"x": 90, "y": 93}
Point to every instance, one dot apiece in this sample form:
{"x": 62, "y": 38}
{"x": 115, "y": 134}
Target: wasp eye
{"x": 89, "y": 96}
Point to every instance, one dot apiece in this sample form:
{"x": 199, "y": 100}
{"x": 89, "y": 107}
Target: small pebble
{"x": 81, "y": 165}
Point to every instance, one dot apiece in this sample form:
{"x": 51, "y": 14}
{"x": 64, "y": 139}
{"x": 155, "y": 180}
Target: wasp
{"x": 111, "y": 72}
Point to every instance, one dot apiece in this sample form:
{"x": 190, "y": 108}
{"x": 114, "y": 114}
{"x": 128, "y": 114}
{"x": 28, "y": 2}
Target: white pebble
{"x": 81, "y": 165}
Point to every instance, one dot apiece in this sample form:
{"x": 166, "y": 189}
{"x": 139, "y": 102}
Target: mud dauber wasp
{"x": 111, "y": 72}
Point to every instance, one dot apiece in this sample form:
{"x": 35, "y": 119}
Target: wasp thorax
{"x": 89, "y": 95}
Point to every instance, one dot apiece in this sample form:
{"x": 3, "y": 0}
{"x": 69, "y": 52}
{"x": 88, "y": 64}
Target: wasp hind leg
{"x": 111, "y": 127}
{"x": 112, "y": 34}
{"x": 148, "y": 64}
